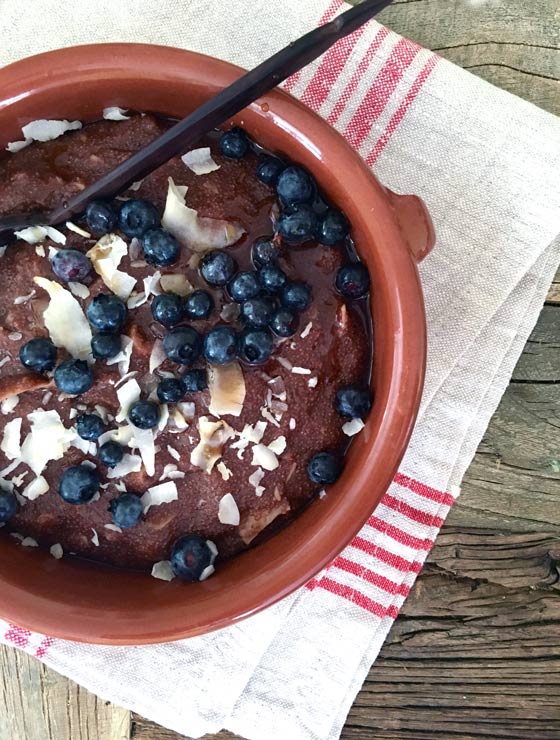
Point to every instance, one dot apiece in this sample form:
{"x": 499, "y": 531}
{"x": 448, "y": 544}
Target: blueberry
{"x": 296, "y": 296}
{"x": 78, "y": 484}
{"x": 73, "y": 377}
{"x": 183, "y": 345}
{"x": 190, "y": 556}
{"x": 220, "y": 345}
{"x": 167, "y": 308}
{"x": 234, "y": 143}
{"x": 160, "y": 247}
{"x": 255, "y": 346}
{"x": 324, "y": 468}
{"x": 69, "y": 265}
{"x": 170, "y": 390}
{"x": 111, "y": 453}
{"x": 106, "y": 312}
{"x": 258, "y": 311}
{"x": 217, "y": 267}
{"x": 353, "y": 401}
{"x": 90, "y": 426}
{"x": 144, "y": 414}
{"x": 198, "y": 305}
{"x": 101, "y": 217}
{"x": 138, "y": 216}
{"x": 353, "y": 280}
{"x": 105, "y": 345}
{"x": 269, "y": 170}
{"x": 272, "y": 278}
{"x": 126, "y": 510}
{"x": 244, "y": 286}
{"x": 284, "y": 322}
{"x": 38, "y": 355}
{"x": 319, "y": 204}
{"x": 195, "y": 380}
{"x": 8, "y": 506}
{"x": 333, "y": 228}
{"x": 298, "y": 226}
{"x": 295, "y": 186}
{"x": 264, "y": 252}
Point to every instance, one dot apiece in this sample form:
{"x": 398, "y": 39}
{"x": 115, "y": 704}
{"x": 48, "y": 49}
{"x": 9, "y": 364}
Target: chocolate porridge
{"x": 163, "y": 453}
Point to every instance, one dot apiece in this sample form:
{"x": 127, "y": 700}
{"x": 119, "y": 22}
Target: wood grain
{"x": 475, "y": 653}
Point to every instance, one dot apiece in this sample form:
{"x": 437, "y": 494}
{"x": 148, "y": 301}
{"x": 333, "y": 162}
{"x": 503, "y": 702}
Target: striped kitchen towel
{"x": 487, "y": 166}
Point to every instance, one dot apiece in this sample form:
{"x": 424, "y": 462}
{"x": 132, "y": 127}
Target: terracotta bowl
{"x": 77, "y": 600}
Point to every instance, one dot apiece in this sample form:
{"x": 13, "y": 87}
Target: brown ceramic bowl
{"x": 83, "y": 601}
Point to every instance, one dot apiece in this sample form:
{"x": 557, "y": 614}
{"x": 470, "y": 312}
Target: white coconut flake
{"x": 127, "y": 394}
{"x": 143, "y": 439}
{"x": 278, "y": 445}
{"x": 255, "y": 480}
{"x": 163, "y": 416}
{"x": 227, "y": 389}
{"x": 65, "y": 320}
{"x": 264, "y": 457}
{"x": 174, "y": 453}
{"x": 20, "y": 299}
{"x": 17, "y": 146}
{"x": 312, "y": 382}
{"x": 56, "y": 551}
{"x": 40, "y": 250}
{"x": 213, "y": 436}
{"x": 157, "y": 355}
{"x": 307, "y": 330}
{"x": 123, "y": 358}
{"x": 8, "y": 469}
{"x": 47, "y": 130}
{"x": 196, "y": 232}
{"x": 268, "y": 416}
{"x": 223, "y": 470}
{"x": 292, "y": 423}
{"x": 37, "y": 487}
{"x": 11, "y": 440}
{"x": 71, "y": 226}
{"x": 187, "y": 408}
{"x": 176, "y": 283}
{"x": 32, "y": 234}
{"x": 17, "y": 480}
{"x": 113, "y": 528}
{"x": 95, "y": 537}
{"x": 163, "y": 493}
{"x": 57, "y": 236}
{"x": 200, "y": 161}
{"x": 353, "y": 427}
{"x": 285, "y": 362}
{"x": 177, "y": 419}
{"x": 301, "y": 371}
{"x": 136, "y": 185}
{"x": 29, "y": 542}
{"x": 228, "y": 512}
{"x": 151, "y": 284}
{"x": 129, "y": 464}
{"x": 79, "y": 290}
{"x": 163, "y": 570}
{"x": 15, "y": 336}
{"x": 114, "y": 113}
{"x": 106, "y": 257}
{"x": 47, "y": 440}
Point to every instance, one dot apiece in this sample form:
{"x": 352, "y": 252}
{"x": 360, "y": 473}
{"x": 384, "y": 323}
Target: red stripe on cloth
{"x": 399, "y": 535}
{"x": 44, "y": 646}
{"x": 18, "y": 635}
{"x": 422, "y": 489}
{"x": 329, "y": 71}
{"x": 327, "y": 16}
{"x": 401, "y": 111}
{"x": 395, "y": 561}
{"x": 358, "y": 598}
{"x": 385, "y": 584}
{"x": 417, "y": 515}
{"x": 377, "y": 97}
{"x": 361, "y": 69}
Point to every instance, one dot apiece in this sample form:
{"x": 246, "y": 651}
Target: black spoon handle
{"x": 215, "y": 111}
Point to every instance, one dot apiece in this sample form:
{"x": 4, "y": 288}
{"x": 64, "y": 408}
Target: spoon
{"x": 229, "y": 101}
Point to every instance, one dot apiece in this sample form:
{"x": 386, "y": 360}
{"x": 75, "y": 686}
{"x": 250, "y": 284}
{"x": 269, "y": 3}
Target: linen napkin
{"x": 487, "y": 165}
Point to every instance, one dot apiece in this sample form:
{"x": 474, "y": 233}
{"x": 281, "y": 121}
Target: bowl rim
{"x": 398, "y": 311}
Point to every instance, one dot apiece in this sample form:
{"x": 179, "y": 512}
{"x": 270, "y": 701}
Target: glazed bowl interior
{"x": 84, "y": 601}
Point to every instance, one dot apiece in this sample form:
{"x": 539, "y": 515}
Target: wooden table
{"x": 476, "y": 650}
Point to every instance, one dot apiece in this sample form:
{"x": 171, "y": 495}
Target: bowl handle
{"x": 415, "y": 223}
